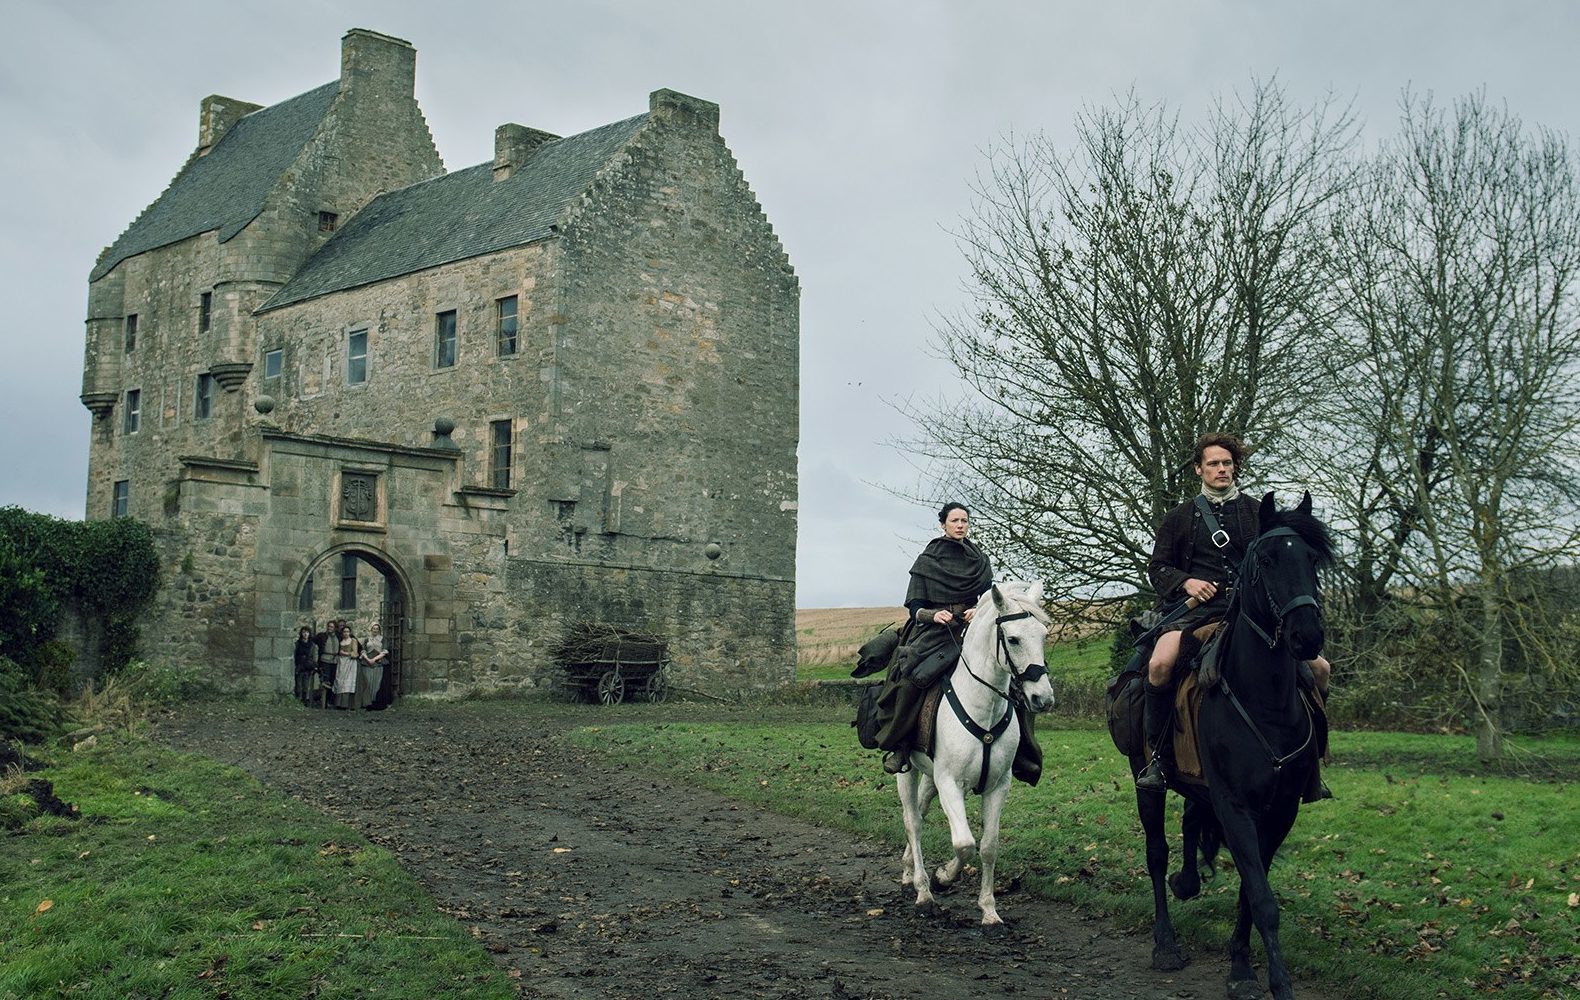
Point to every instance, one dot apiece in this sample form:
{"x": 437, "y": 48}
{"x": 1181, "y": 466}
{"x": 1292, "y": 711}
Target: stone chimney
{"x": 369, "y": 60}
{"x": 215, "y": 117}
{"x": 513, "y": 144}
{"x": 677, "y": 108}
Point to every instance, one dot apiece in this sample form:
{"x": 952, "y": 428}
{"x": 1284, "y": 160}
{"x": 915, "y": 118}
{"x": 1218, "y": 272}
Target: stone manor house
{"x": 490, "y": 407}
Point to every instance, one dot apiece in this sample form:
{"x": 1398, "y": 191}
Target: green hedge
{"x": 107, "y": 570}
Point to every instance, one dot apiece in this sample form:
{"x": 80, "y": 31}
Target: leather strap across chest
{"x": 987, "y": 737}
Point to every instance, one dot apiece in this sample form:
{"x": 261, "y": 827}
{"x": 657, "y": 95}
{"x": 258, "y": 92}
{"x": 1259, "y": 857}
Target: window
{"x": 357, "y": 357}
{"x": 327, "y": 222}
{"x": 134, "y": 410}
{"x": 205, "y": 312}
{"x": 444, "y": 340}
{"x": 120, "y": 498}
{"x": 348, "y": 582}
{"x": 499, "y": 455}
{"x": 305, "y": 602}
{"x": 203, "y": 398}
{"x": 131, "y": 333}
{"x": 272, "y": 361}
{"x": 506, "y": 311}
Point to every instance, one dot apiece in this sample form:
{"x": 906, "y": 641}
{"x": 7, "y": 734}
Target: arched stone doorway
{"x": 362, "y": 585}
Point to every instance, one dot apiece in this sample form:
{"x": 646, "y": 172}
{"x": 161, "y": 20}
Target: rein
{"x": 987, "y": 737}
{"x": 1280, "y": 611}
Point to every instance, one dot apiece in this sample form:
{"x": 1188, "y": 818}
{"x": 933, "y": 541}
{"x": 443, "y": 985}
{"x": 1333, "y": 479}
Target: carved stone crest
{"x": 358, "y": 496}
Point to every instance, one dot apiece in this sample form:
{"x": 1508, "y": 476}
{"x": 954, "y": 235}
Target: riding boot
{"x": 1316, "y": 789}
{"x": 1157, "y": 712}
{"x": 897, "y": 761}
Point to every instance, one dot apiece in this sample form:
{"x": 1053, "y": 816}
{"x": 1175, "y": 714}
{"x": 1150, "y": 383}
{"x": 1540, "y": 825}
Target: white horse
{"x": 977, "y": 737}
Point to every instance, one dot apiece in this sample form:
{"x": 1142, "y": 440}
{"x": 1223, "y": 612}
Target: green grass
{"x": 184, "y": 878}
{"x": 1408, "y": 885}
{"x": 1081, "y": 659}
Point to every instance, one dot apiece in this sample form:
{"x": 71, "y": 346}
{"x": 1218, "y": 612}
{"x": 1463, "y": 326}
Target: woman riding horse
{"x": 947, "y": 580}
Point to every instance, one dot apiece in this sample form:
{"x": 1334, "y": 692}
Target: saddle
{"x": 927, "y": 723}
{"x": 1187, "y": 712}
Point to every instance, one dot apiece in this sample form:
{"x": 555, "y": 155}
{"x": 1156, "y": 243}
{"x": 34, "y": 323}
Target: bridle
{"x": 1255, "y": 581}
{"x": 1019, "y": 677}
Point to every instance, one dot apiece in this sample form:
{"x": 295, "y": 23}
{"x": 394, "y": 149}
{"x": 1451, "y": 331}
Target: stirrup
{"x": 1151, "y": 777}
{"x": 1322, "y": 792}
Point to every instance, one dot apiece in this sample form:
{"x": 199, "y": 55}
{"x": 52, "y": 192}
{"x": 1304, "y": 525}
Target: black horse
{"x": 1257, "y": 741}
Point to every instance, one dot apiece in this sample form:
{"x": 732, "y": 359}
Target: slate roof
{"x": 460, "y": 215}
{"x": 225, "y": 189}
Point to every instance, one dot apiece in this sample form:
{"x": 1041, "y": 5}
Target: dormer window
{"x": 327, "y": 222}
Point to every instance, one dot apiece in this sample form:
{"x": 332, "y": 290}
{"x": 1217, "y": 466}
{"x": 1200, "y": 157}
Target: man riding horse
{"x": 1194, "y": 562}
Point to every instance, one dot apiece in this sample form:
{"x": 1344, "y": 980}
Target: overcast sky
{"x": 859, "y": 126}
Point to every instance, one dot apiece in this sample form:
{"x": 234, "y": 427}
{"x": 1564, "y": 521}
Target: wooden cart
{"x": 608, "y": 666}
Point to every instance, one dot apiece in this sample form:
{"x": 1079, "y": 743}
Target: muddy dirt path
{"x": 596, "y": 881}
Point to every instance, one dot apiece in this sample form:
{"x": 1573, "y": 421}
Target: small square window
{"x": 444, "y": 340}
{"x": 120, "y": 498}
{"x": 205, "y": 312}
{"x": 505, "y": 309}
{"x": 499, "y": 457}
{"x": 203, "y": 397}
{"x": 272, "y": 360}
{"x": 327, "y": 221}
{"x": 131, "y": 333}
{"x": 134, "y": 410}
{"x": 357, "y": 357}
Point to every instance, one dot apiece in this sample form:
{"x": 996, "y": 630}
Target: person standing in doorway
{"x": 328, "y": 642}
{"x": 346, "y": 669}
{"x": 371, "y": 673}
{"x": 305, "y": 662}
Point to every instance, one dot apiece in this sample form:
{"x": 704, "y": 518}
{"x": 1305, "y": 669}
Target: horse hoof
{"x": 1169, "y": 959}
{"x": 1180, "y": 889}
{"x": 992, "y": 928}
{"x": 1245, "y": 989}
{"x": 928, "y": 908}
{"x": 940, "y": 887}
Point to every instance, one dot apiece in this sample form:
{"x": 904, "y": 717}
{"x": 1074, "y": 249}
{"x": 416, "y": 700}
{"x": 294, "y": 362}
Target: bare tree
{"x": 1146, "y": 286}
{"x": 1454, "y": 383}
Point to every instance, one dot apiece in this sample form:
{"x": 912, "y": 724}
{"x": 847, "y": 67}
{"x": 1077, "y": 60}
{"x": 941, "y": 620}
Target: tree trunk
{"x": 1489, "y": 715}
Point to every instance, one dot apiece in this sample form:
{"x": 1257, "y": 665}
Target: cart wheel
{"x": 611, "y": 688}
{"x": 657, "y": 686}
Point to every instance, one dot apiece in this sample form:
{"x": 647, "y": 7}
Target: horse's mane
{"x": 1018, "y": 593}
{"x": 1310, "y": 529}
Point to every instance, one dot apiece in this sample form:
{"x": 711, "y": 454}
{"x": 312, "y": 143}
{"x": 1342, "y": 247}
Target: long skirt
{"x": 346, "y": 675}
{"x": 369, "y": 680}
